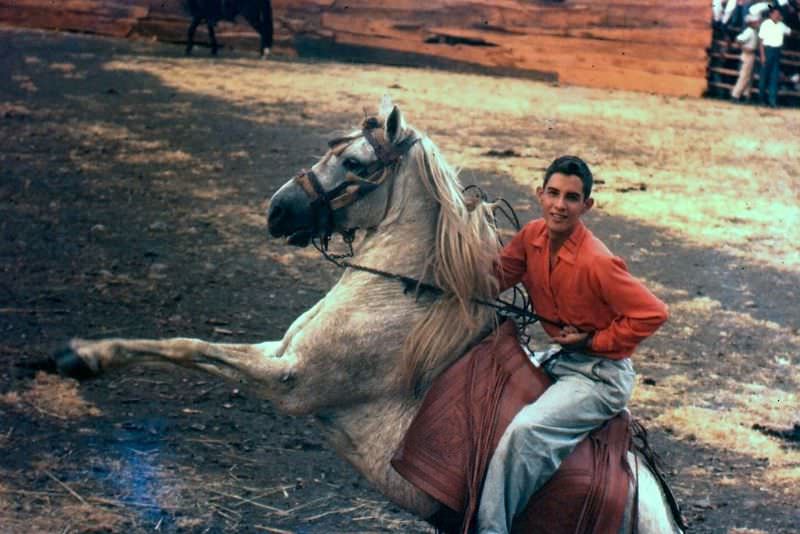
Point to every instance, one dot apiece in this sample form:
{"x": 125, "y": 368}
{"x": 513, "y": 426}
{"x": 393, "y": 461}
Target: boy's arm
{"x": 512, "y": 264}
{"x": 639, "y": 312}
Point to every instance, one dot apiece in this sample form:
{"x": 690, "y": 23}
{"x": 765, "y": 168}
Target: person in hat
{"x": 771, "y": 33}
{"x": 748, "y": 40}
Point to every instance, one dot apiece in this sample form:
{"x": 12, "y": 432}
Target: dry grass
{"x": 731, "y": 430}
{"x": 52, "y": 396}
{"x": 718, "y": 401}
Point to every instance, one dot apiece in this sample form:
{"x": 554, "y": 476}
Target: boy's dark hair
{"x": 573, "y": 166}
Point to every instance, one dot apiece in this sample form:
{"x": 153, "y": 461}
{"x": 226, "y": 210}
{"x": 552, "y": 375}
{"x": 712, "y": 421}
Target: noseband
{"x": 357, "y": 184}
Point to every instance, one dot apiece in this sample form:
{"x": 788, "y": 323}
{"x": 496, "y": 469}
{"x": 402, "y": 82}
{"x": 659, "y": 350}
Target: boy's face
{"x": 563, "y": 203}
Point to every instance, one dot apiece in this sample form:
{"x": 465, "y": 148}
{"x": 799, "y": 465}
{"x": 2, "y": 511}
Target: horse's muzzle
{"x": 289, "y": 215}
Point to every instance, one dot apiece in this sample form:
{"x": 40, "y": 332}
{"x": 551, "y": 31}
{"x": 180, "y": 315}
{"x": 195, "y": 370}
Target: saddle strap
{"x": 608, "y": 488}
{"x": 484, "y": 426}
{"x": 641, "y": 444}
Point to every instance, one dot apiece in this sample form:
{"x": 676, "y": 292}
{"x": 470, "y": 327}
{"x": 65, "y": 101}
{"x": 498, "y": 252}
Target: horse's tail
{"x": 641, "y": 445}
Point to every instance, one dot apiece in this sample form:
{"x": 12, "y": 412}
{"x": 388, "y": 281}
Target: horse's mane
{"x": 463, "y": 260}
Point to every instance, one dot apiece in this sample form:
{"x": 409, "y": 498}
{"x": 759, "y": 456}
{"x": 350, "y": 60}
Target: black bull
{"x": 258, "y": 13}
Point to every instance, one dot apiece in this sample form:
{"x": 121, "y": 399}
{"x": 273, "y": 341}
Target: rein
{"x": 411, "y": 284}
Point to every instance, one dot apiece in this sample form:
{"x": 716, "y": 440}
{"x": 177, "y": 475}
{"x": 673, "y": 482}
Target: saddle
{"x": 447, "y": 449}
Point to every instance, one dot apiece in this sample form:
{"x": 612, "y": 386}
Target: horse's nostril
{"x": 275, "y": 214}
{"x": 276, "y": 219}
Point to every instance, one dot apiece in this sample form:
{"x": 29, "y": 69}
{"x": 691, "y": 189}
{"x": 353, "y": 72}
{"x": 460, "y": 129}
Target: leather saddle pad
{"x": 447, "y": 448}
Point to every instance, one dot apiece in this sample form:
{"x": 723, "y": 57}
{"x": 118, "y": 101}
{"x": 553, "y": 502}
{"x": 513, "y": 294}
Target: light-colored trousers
{"x": 587, "y": 391}
{"x": 745, "y": 79}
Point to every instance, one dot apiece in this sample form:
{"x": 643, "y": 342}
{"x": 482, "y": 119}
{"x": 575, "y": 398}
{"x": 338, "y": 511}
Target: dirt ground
{"x": 133, "y": 183}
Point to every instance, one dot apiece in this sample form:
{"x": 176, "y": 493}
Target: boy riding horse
{"x": 574, "y": 281}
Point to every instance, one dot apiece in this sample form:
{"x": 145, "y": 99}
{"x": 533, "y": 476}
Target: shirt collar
{"x": 569, "y": 250}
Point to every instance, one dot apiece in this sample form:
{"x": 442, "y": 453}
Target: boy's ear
{"x": 588, "y": 203}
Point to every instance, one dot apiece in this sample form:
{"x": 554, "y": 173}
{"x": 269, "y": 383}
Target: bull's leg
{"x": 213, "y": 37}
{"x": 190, "y": 35}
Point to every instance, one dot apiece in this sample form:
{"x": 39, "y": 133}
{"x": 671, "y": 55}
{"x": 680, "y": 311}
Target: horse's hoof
{"x": 68, "y": 363}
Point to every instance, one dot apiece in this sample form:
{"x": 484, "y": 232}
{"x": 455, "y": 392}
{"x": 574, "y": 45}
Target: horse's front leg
{"x": 237, "y": 362}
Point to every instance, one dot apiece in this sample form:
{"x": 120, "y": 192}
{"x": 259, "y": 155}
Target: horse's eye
{"x": 351, "y": 164}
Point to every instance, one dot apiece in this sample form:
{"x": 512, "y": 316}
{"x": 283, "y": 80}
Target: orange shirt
{"x": 588, "y": 288}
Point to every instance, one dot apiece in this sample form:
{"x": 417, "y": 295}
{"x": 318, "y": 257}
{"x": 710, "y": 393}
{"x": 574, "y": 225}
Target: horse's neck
{"x": 367, "y": 433}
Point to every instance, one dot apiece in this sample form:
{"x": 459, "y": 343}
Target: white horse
{"x": 360, "y": 358}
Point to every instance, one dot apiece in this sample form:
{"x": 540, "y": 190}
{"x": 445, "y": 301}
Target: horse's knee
{"x": 69, "y": 363}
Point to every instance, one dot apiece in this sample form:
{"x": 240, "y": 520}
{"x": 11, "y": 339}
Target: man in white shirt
{"x": 716, "y": 12}
{"x": 771, "y": 34}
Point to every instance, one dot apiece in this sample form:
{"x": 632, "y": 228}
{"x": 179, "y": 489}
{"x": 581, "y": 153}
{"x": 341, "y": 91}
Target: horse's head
{"x": 347, "y": 188}
{"x": 388, "y": 177}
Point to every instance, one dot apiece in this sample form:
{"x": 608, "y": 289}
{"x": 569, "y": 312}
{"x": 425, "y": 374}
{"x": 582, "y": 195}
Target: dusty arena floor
{"x": 133, "y": 183}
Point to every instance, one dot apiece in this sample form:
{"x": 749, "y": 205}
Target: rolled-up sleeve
{"x": 639, "y": 313}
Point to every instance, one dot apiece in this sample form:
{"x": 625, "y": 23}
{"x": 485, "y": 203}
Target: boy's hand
{"x": 572, "y": 339}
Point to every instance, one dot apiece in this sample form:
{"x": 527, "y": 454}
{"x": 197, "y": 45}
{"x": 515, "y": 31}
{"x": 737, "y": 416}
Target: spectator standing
{"x": 740, "y": 10}
{"x": 748, "y": 40}
{"x": 771, "y": 34}
{"x": 727, "y": 14}
{"x": 716, "y": 14}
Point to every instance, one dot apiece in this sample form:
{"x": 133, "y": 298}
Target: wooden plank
{"x": 98, "y": 7}
{"x": 71, "y": 21}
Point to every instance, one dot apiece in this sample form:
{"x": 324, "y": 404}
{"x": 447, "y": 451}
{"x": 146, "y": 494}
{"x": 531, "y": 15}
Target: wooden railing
{"x": 723, "y": 68}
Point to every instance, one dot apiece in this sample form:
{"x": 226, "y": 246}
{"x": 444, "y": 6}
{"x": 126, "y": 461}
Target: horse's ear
{"x": 395, "y": 125}
{"x": 385, "y": 106}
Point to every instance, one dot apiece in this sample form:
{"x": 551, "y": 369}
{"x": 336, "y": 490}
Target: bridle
{"x": 358, "y": 182}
